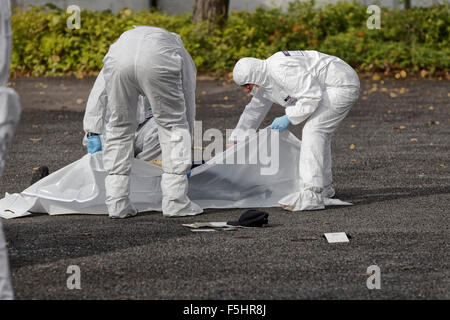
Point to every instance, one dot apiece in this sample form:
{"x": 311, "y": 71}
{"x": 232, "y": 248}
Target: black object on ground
{"x": 251, "y": 218}
{"x": 40, "y": 173}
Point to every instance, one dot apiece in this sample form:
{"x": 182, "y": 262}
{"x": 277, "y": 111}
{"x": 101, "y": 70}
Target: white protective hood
{"x": 257, "y": 71}
{"x": 79, "y": 187}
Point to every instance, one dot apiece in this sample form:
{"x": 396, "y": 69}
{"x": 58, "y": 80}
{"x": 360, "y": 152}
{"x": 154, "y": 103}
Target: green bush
{"x": 412, "y": 39}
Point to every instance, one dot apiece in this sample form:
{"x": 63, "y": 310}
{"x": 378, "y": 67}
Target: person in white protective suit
{"x": 9, "y": 117}
{"x": 312, "y": 86}
{"x": 146, "y": 143}
{"x": 149, "y": 62}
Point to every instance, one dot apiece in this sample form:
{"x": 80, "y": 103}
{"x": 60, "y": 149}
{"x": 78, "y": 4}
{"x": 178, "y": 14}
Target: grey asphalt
{"x": 397, "y": 175}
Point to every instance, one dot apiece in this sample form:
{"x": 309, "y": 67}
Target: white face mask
{"x": 254, "y": 91}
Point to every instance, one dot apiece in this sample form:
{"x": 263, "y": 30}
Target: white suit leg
{"x": 328, "y": 190}
{"x": 6, "y": 291}
{"x": 9, "y": 117}
{"x": 146, "y": 142}
{"x": 161, "y": 81}
{"x": 315, "y": 154}
{"x": 118, "y": 151}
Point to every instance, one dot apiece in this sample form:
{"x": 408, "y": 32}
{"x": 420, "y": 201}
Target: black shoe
{"x": 40, "y": 173}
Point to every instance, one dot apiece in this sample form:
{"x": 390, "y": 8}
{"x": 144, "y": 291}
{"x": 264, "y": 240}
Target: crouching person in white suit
{"x": 312, "y": 86}
{"x": 152, "y": 63}
{"x": 9, "y": 117}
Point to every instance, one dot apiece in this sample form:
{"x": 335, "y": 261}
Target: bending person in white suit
{"x": 9, "y": 117}
{"x": 150, "y": 62}
{"x": 146, "y": 142}
{"x": 313, "y": 87}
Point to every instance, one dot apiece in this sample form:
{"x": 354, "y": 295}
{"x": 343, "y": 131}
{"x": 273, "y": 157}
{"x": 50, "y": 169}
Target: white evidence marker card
{"x": 336, "y": 237}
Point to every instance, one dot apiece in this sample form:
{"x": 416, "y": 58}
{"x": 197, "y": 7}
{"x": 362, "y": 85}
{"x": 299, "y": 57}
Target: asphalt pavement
{"x": 391, "y": 158}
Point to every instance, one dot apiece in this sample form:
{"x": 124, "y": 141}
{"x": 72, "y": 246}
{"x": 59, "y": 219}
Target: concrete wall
{"x": 113, "y": 5}
{"x": 182, "y": 6}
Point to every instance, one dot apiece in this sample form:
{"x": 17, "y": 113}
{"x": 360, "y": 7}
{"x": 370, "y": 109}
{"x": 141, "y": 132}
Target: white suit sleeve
{"x": 309, "y": 94}
{"x": 254, "y": 113}
{"x": 96, "y": 106}
{"x": 5, "y": 41}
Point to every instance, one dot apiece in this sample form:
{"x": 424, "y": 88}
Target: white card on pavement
{"x": 336, "y": 237}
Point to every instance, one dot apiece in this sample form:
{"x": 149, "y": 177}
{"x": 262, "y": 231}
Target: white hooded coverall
{"x": 312, "y": 86}
{"x": 150, "y": 62}
{"x": 146, "y": 142}
{"x": 9, "y": 117}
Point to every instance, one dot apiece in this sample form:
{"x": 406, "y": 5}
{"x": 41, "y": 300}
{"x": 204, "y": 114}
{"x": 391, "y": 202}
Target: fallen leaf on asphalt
{"x": 389, "y": 111}
{"x": 41, "y": 85}
{"x": 352, "y": 146}
{"x": 421, "y": 175}
{"x": 403, "y": 74}
{"x": 399, "y": 127}
{"x": 35, "y": 168}
{"x": 80, "y": 101}
{"x": 376, "y": 77}
{"x": 420, "y": 186}
{"x": 364, "y": 98}
{"x": 413, "y": 140}
{"x": 67, "y": 150}
{"x": 35, "y": 126}
{"x": 35, "y": 139}
{"x": 384, "y": 89}
{"x": 353, "y": 160}
{"x": 393, "y": 95}
{"x": 225, "y": 98}
{"x": 352, "y": 126}
{"x": 442, "y": 165}
{"x": 402, "y": 90}
{"x": 430, "y": 123}
{"x": 397, "y": 76}
{"x": 423, "y": 73}
{"x": 430, "y": 108}
{"x": 225, "y": 106}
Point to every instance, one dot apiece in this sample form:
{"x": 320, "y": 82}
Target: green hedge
{"x": 412, "y": 39}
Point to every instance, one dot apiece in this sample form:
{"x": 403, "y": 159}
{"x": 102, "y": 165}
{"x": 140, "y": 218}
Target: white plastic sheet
{"x": 79, "y": 187}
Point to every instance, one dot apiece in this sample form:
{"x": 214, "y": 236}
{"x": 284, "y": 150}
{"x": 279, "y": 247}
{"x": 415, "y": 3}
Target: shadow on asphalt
{"x": 362, "y": 197}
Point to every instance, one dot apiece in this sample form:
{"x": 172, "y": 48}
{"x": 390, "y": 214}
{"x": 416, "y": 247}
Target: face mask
{"x": 254, "y": 91}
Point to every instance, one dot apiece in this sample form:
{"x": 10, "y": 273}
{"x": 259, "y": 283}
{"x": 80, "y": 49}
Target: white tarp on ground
{"x": 79, "y": 187}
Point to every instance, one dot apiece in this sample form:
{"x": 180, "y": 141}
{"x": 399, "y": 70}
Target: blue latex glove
{"x": 94, "y": 144}
{"x": 280, "y": 123}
